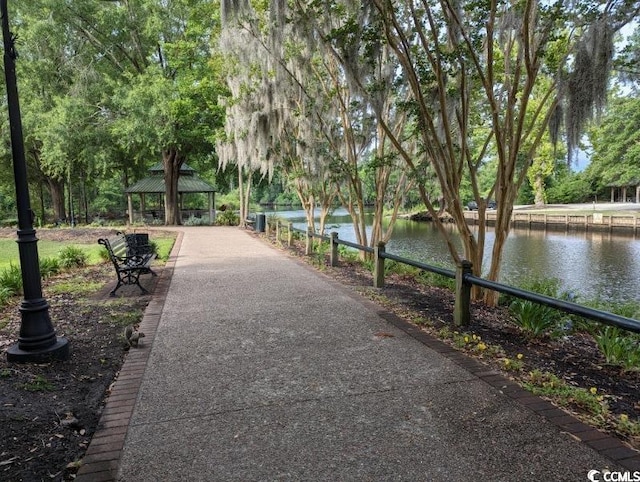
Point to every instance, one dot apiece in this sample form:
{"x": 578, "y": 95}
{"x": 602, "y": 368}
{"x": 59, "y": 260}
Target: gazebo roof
{"x": 185, "y": 169}
{"x": 187, "y": 182}
{"x": 632, "y": 183}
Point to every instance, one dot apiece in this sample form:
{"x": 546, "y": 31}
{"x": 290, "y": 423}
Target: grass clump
{"x": 227, "y": 218}
{"x": 49, "y": 267}
{"x": 37, "y": 384}
{"x": 619, "y": 348}
{"x": 534, "y": 319}
{"x": 537, "y": 320}
{"x": 549, "y": 385}
{"x": 72, "y": 257}
{"x": 11, "y": 280}
{"x": 5, "y": 294}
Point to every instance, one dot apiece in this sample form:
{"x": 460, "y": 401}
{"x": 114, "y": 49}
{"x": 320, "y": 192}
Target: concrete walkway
{"x": 262, "y": 369}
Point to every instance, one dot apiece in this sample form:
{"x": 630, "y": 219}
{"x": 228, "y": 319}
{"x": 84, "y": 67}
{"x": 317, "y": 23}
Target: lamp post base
{"x": 58, "y": 351}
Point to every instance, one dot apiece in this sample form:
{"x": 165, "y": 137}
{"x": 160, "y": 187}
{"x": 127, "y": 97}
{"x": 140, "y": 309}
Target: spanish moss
{"x": 588, "y": 82}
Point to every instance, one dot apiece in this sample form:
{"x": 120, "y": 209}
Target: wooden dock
{"x": 595, "y": 221}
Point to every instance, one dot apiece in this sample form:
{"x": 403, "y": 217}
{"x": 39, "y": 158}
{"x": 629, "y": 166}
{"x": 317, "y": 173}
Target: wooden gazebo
{"x": 625, "y": 192}
{"x": 188, "y": 182}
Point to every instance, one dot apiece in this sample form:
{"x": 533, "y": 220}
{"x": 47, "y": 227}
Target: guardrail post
{"x": 278, "y": 231}
{"x": 334, "y": 249}
{"x": 378, "y": 267}
{"x": 308, "y": 249}
{"x": 462, "y": 308}
{"x": 290, "y": 235}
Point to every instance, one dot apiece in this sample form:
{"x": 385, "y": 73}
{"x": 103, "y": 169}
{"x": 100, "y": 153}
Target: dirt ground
{"x": 49, "y": 411}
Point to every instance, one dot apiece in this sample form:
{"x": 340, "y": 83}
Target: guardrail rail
{"x": 463, "y": 276}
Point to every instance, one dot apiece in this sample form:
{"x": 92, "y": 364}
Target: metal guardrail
{"x": 465, "y": 279}
{"x": 604, "y": 317}
{"x": 447, "y": 273}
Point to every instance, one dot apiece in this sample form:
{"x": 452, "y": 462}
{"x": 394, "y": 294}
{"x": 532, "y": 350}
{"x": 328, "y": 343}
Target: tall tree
{"x": 615, "y": 141}
{"x": 302, "y": 86}
{"x": 476, "y": 67}
{"x": 165, "y": 83}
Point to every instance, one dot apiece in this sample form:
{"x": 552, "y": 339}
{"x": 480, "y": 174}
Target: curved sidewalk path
{"x": 263, "y": 369}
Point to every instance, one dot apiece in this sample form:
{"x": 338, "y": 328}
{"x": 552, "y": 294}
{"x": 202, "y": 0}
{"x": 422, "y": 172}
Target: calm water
{"x": 590, "y": 264}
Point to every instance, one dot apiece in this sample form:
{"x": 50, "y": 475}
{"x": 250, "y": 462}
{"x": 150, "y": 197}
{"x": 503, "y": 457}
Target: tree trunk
{"x": 43, "y": 213}
{"x": 56, "y": 189}
{"x": 501, "y": 234}
{"x": 242, "y": 211}
{"x": 172, "y": 161}
{"x": 244, "y": 195}
{"x": 246, "y": 198}
{"x": 538, "y": 187}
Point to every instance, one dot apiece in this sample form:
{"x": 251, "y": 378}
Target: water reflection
{"x": 590, "y": 264}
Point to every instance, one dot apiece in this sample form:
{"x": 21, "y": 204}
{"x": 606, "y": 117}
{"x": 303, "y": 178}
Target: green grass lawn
{"x": 46, "y": 249}
{"x": 51, "y": 249}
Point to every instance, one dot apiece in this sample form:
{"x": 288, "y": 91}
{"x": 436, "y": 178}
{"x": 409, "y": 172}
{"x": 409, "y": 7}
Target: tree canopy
{"x": 111, "y": 88}
{"x": 349, "y": 102}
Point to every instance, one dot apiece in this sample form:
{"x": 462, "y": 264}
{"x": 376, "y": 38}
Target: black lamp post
{"x": 37, "y": 341}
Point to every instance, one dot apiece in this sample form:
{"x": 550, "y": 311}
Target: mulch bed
{"x": 49, "y": 411}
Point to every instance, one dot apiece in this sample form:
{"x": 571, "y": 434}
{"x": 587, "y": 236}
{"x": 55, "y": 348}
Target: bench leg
{"x": 134, "y": 279}
{"x": 113, "y": 291}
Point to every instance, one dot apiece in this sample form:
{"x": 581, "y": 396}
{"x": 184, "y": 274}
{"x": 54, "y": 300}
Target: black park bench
{"x": 131, "y": 258}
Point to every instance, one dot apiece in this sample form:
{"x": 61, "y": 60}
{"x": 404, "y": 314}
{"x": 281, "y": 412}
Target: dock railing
{"x": 463, "y": 276}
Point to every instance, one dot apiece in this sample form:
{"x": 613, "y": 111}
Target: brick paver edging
{"x": 102, "y": 459}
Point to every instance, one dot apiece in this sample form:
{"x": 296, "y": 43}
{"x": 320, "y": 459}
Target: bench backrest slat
{"x": 120, "y": 253}
{"x": 116, "y": 247}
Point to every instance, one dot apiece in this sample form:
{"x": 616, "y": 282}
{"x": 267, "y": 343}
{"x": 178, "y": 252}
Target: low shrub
{"x": 8, "y": 222}
{"x": 72, "y": 257}
{"x": 434, "y": 279}
{"x": 535, "y": 319}
{"x": 227, "y": 218}
{"x": 344, "y": 252}
{"x": 11, "y": 279}
{"x": 197, "y": 221}
{"x": 49, "y": 267}
{"x": 619, "y": 348}
{"x": 543, "y": 286}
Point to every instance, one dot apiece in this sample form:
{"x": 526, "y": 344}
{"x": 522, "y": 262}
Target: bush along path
{"x": 590, "y": 371}
{"x": 49, "y": 411}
